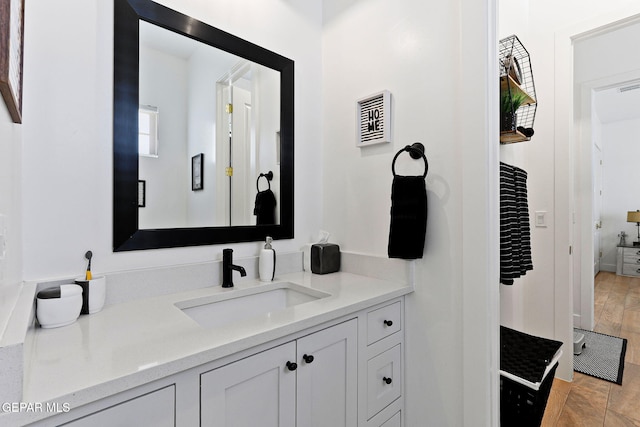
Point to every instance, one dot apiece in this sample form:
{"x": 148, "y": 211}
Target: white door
{"x": 597, "y": 207}
{"x": 244, "y": 176}
{"x": 257, "y": 391}
{"x": 327, "y": 377}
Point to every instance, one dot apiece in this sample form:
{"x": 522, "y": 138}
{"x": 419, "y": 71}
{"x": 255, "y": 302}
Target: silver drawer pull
{"x": 638, "y": 253}
{"x": 638, "y": 270}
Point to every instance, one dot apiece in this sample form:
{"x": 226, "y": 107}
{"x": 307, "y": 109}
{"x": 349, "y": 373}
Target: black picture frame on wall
{"x": 197, "y": 169}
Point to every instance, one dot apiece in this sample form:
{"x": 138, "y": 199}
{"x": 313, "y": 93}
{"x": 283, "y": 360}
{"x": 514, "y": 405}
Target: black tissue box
{"x": 325, "y": 258}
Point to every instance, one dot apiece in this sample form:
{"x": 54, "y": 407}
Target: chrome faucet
{"x": 228, "y": 267}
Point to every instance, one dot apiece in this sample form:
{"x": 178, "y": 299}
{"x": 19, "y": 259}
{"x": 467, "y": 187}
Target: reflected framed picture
{"x": 142, "y": 193}
{"x": 11, "y": 47}
{"x": 197, "y": 163}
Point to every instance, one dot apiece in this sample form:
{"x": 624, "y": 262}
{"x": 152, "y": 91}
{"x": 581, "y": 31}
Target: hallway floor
{"x": 591, "y": 402}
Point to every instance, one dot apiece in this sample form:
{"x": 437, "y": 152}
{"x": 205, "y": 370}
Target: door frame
{"x": 567, "y": 173}
{"x": 584, "y": 175}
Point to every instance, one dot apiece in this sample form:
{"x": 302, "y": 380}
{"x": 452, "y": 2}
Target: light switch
{"x": 541, "y": 218}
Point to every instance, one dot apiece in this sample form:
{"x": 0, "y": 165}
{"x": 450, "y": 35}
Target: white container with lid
{"x": 58, "y": 306}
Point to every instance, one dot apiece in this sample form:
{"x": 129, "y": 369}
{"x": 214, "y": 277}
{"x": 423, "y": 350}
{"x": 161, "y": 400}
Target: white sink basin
{"x": 236, "y": 305}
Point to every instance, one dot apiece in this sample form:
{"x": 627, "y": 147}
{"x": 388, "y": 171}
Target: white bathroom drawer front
{"x": 152, "y": 409}
{"x": 632, "y": 251}
{"x": 631, "y": 256}
{"x": 383, "y": 322}
{"x": 631, "y": 269}
{"x": 384, "y": 380}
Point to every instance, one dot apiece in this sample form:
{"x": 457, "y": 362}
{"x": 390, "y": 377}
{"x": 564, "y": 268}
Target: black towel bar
{"x": 268, "y": 176}
{"x": 416, "y": 151}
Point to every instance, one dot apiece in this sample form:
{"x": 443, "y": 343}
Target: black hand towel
{"x": 265, "y": 208}
{"x": 408, "y": 217}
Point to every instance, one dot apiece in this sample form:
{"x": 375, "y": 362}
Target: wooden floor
{"x": 588, "y": 401}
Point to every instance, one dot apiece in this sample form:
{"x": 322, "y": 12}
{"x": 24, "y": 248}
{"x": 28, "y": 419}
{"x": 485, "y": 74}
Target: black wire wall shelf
{"x": 517, "y": 92}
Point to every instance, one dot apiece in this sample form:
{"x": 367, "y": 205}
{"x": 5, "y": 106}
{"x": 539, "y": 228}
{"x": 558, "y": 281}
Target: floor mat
{"x": 602, "y": 357}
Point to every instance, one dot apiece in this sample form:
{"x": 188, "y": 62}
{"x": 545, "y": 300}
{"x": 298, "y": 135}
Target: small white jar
{"x": 58, "y": 306}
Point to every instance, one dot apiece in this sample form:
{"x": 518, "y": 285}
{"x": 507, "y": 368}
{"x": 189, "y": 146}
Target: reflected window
{"x": 148, "y": 131}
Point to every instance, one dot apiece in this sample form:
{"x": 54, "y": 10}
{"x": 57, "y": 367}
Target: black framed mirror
{"x": 128, "y": 234}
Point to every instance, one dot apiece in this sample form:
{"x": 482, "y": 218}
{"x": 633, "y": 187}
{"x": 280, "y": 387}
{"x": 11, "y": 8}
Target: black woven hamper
{"x": 527, "y": 357}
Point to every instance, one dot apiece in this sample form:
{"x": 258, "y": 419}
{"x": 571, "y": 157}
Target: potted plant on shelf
{"x": 509, "y": 104}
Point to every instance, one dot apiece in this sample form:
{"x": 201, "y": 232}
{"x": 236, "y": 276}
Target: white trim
{"x": 584, "y": 174}
{"x": 479, "y": 143}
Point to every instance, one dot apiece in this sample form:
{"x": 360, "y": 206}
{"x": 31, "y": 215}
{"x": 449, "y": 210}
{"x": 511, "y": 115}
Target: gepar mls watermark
{"x": 35, "y": 407}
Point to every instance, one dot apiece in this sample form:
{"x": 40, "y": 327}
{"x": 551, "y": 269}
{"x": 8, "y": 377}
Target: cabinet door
{"x": 327, "y": 384}
{"x": 256, "y": 391}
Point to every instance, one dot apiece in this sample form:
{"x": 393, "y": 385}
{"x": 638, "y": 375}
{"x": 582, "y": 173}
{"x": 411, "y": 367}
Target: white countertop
{"x": 133, "y": 343}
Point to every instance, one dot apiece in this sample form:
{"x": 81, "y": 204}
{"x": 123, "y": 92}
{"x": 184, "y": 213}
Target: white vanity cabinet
{"x": 308, "y": 382}
{"x": 628, "y": 261}
{"x": 345, "y": 372}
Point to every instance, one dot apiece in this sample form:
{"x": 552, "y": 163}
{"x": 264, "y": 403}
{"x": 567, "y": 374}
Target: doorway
{"x": 596, "y": 227}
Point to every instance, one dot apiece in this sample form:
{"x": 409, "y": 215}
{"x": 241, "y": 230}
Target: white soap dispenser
{"x": 267, "y": 262}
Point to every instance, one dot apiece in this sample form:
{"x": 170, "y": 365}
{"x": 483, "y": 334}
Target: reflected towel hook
{"x": 268, "y": 176}
{"x": 416, "y": 151}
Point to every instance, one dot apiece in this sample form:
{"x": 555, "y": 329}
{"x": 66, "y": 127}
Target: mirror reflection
{"x": 209, "y": 135}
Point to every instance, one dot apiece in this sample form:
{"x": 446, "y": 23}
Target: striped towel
{"x": 515, "y": 235}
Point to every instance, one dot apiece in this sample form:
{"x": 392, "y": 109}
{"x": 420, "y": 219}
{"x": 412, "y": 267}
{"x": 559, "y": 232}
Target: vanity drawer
{"x": 384, "y": 380}
{"x": 631, "y": 255}
{"x": 156, "y": 408}
{"x": 631, "y": 269}
{"x": 383, "y": 322}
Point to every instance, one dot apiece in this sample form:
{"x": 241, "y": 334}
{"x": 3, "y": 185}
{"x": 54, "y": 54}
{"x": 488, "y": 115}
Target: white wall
{"x": 67, "y": 168}
{"x": 511, "y": 303}
{"x": 164, "y": 84}
{"x": 10, "y": 213}
{"x": 205, "y": 68}
{"x": 620, "y": 194}
{"x": 417, "y": 50}
{"x": 266, "y": 106}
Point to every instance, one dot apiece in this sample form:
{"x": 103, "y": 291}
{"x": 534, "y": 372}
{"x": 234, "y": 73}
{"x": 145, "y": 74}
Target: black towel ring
{"x": 415, "y": 150}
{"x": 268, "y": 176}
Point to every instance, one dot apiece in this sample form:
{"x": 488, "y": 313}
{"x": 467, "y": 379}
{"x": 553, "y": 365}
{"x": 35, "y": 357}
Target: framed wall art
{"x": 373, "y": 119}
{"x": 197, "y": 163}
{"x": 11, "y": 47}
